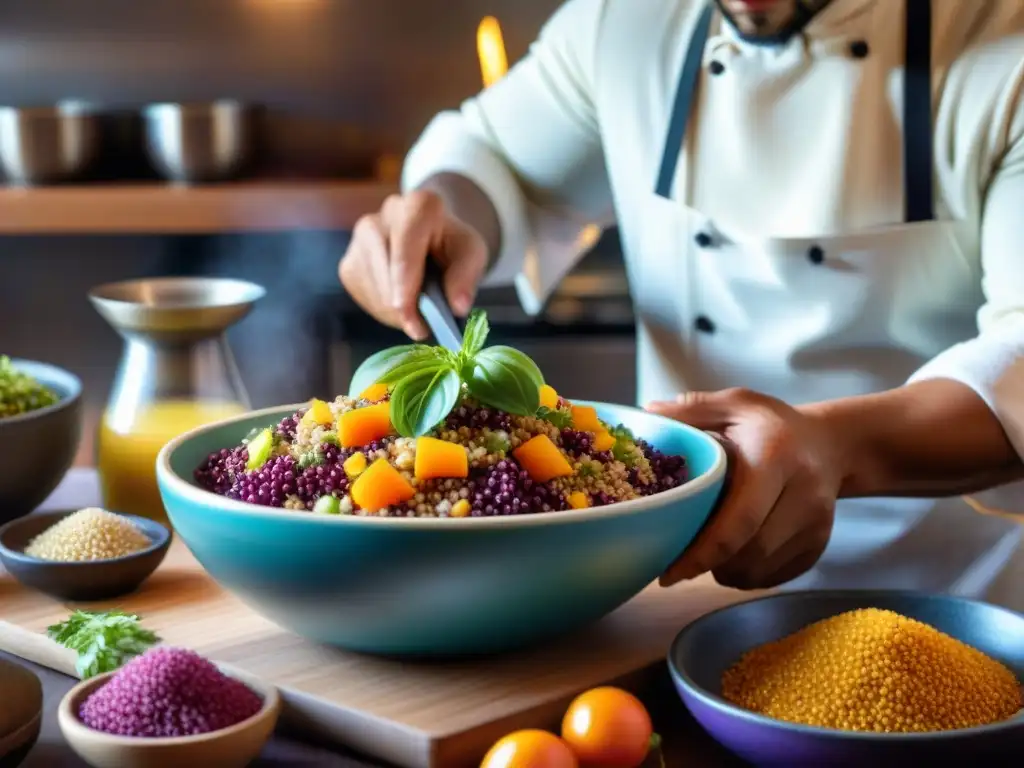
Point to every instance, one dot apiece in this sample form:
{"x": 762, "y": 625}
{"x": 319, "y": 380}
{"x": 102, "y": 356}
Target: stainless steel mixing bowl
{"x": 43, "y": 145}
{"x": 208, "y": 141}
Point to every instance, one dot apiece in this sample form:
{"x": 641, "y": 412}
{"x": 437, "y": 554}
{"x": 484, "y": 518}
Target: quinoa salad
{"x": 491, "y": 439}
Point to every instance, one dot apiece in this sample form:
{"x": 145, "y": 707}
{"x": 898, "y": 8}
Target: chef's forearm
{"x": 471, "y": 205}
{"x": 930, "y": 438}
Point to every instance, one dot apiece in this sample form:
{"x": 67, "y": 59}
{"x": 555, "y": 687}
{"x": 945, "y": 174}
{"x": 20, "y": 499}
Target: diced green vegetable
{"x": 328, "y": 505}
{"x": 495, "y": 442}
{"x": 260, "y": 448}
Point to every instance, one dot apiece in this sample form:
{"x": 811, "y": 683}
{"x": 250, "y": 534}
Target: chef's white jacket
{"x": 781, "y": 260}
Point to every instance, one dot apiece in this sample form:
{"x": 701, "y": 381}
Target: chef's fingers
{"x": 465, "y": 257}
{"x": 754, "y": 488}
{"x": 793, "y": 537}
{"x": 364, "y": 269}
{"x": 414, "y": 222}
{"x": 703, "y": 410}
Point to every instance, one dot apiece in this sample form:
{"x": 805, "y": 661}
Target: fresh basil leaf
{"x": 423, "y": 400}
{"x": 506, "y": 379}
{"x": 377, "y": 365}
{"x": 413, "y": 367}
{"x": 475, "y": 335}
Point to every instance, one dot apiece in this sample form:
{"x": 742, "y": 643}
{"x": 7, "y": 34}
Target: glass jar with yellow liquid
{"x": 176, "y": 373}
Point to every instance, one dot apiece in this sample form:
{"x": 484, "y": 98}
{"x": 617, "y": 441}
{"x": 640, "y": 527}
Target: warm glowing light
{"x": 490, "y": 46}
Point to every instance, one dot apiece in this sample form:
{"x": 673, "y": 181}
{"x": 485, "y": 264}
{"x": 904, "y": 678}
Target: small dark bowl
{"x": 90, "y": 580}
{"x": 38, "y": 448}
{"x": 713, "y": 643}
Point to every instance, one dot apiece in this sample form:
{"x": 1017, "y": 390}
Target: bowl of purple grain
{"x": 169, "y": 707}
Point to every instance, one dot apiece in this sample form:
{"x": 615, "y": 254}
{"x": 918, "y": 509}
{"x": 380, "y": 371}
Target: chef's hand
{"x": 775, "y": 516}
{"x": 383, "y": 266}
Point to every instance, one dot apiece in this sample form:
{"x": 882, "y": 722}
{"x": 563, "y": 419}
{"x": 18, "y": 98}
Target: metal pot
{"x": 41, "y": 145}
{"x": 210, "y": 141}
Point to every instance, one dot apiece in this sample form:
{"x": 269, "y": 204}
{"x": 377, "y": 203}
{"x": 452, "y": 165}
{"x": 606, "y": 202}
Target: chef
{"x": 821, "y": 204}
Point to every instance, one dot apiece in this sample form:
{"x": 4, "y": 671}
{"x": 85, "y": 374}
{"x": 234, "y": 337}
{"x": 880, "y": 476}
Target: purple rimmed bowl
{"x": 711, "y": 644}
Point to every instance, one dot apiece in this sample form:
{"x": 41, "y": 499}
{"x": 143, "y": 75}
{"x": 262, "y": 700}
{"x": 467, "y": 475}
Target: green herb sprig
{"x": 427, "y": 381}
{"x": 103, "y": 640}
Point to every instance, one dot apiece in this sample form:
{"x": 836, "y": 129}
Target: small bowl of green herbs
{"x": 40, "y": 429}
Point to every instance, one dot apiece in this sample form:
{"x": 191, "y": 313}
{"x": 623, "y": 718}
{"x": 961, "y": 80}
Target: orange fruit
{"x": 608, "y": 728}
{"x": 530, "y": 749}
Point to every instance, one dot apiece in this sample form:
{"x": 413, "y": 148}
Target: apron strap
{"x": 682, "y": 107}
{"x": 918, "y": 139}
{"x": 919, "y": 199}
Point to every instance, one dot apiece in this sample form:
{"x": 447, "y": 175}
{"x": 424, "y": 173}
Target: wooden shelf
{"x": 157, "y": 208}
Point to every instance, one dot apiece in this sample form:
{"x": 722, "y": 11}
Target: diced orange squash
{"x": 548, "y": 397}
{"x": 541, "y": 459}
{"x": 603, "y": 441}
{"x": 578, "y": 500}
{"x": 319, "y": 413}
{"x": 439, "y": 458}
{"x": 380, "y": 486}
{"x": 374, "y": 392}
{"x": 461, "y": 508}
{"x": 355, "y": 465}
{"x": 361, "y": 426}
{"x": 584, "y": 418}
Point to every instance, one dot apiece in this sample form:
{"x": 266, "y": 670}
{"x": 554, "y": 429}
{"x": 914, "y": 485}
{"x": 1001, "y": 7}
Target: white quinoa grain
{"x": 89, "y": 534}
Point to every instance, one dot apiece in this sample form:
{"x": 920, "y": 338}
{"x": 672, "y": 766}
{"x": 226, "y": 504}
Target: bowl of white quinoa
{"x": 83, "y": 554}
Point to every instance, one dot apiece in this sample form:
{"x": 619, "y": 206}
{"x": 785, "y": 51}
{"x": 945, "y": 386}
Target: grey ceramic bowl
{"x": 38, "y": 448}
{"x": 81, "y": 581}
{"x": 21, "y": 712}
{"x": 711, "y": 644}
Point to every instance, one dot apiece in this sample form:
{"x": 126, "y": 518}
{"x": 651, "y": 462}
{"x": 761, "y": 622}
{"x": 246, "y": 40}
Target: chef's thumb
{"x": 698, "y": 409}
{"x": 461, "y": 278}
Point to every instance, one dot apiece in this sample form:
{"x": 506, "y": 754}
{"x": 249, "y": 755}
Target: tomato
{"x": 530, "y": 749}
{"x": 608, "y": 728}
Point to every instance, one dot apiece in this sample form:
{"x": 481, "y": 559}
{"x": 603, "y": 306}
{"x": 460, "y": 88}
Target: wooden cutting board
{"x": 422, "y": 715}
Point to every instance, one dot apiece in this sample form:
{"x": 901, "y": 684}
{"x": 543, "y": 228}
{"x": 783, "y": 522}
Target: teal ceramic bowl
{"x": 438, "y": 586}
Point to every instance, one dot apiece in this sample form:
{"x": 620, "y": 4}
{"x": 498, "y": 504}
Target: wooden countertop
{"x": 159, "y": 208}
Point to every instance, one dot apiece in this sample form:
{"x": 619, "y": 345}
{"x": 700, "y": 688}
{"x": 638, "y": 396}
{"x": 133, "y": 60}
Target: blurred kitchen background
{"x": 335, "y": 92}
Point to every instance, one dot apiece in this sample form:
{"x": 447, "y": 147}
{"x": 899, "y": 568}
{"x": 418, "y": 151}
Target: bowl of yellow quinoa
{"x": 40, "y": 428}
{"x": 83, "y": 554}
{"x": 448, "y": 504}
{"x": 853, "y": 678}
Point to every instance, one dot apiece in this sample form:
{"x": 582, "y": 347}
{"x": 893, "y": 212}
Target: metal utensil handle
{"x": 434, "y": 307}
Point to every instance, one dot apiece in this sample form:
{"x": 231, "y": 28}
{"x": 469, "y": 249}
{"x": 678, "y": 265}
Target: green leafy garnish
{"x": 103, "y": 640}
{"x": 477, "y": 329}
{"x": 559, "y": 417}
{"x": 330, "y": 438}
{"x": 428, "y": 381}
{"x": 422, "y": 400}
{"x": 506, "y": 379}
